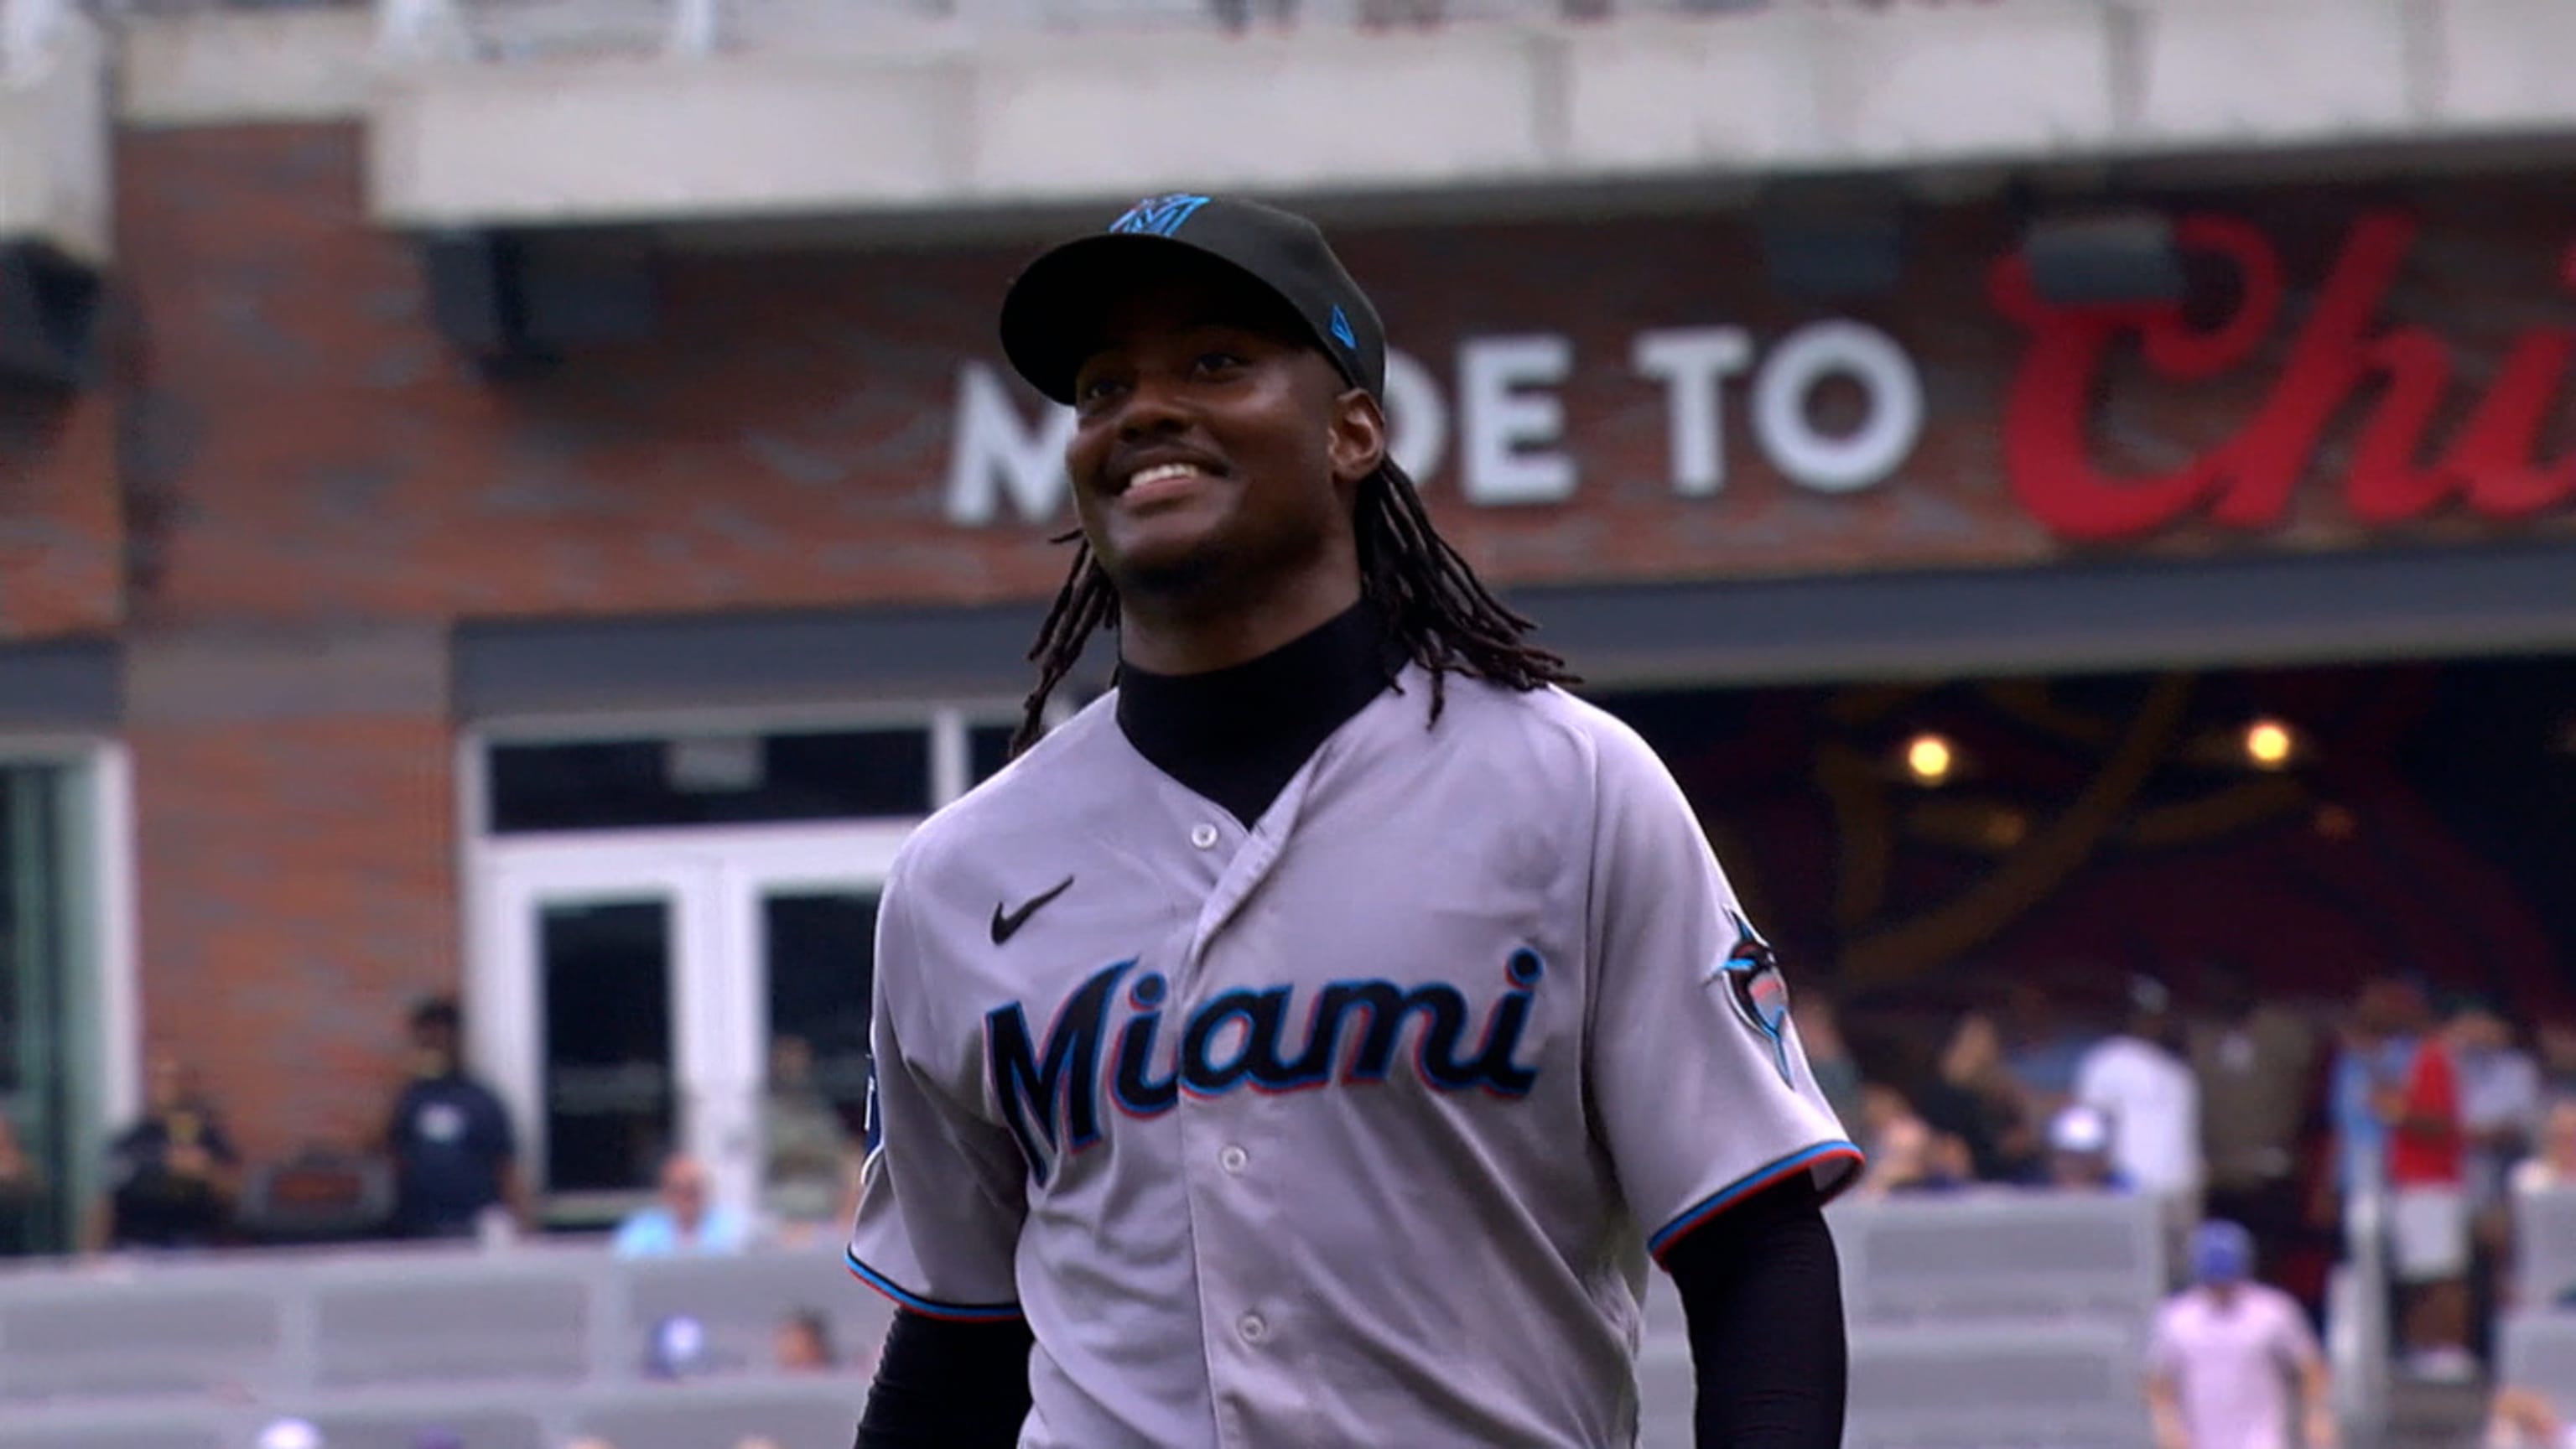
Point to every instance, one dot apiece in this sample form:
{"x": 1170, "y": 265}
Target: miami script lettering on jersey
{"x": 1051, "y": 1091}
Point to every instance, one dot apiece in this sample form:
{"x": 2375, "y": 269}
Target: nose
{"x": 1151, "y": 408}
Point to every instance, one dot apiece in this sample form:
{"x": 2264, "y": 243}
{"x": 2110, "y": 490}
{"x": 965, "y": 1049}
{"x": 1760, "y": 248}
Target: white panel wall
{"x": 1030, "y": 107}
{"x": 55, "y": 178}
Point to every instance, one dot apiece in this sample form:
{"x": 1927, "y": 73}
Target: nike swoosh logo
{"x": 1006, "y": 924}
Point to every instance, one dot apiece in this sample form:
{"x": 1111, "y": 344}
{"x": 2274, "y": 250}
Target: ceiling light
{"x": 2269, "y": 744}
{"x": 1929, "y": 759}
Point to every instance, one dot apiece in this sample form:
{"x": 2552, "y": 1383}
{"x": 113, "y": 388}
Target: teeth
{"x": 1163, "y": 473}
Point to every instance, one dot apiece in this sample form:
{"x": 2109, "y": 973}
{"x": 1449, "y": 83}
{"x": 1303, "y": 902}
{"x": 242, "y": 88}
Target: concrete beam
{"x": 976, "y": 114}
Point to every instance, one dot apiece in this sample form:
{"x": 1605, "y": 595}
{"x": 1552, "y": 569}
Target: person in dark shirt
{"x": 172, "y": 1177}
{"x": 22, "y": 1193}
{"x": 455, "y": 1156}
{"x": 1972, "y": 1096}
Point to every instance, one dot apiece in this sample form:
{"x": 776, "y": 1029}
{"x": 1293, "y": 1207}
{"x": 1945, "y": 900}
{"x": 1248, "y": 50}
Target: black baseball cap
{"x": 1052, "y": 311}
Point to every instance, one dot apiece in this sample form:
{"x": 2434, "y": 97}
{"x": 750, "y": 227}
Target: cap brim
{"x": 1054, "y": 311}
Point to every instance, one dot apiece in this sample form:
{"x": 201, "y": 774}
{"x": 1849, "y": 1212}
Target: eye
{"x": 1092, "y": 391}
{"x": 1218, "y": 361}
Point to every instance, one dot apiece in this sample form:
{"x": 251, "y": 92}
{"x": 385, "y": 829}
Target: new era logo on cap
{"x": 1342, "y": 329}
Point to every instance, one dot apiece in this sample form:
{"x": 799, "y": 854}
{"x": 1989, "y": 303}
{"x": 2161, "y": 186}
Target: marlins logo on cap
{"x": 1158, "y": 215}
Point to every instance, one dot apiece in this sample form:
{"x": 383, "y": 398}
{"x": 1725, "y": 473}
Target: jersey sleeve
{"x": 943, "y": 1191}
{"x": 1702, "y": 1093}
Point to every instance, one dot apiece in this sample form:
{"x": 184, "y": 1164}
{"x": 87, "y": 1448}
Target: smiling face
{"x": 1216, "y": 451}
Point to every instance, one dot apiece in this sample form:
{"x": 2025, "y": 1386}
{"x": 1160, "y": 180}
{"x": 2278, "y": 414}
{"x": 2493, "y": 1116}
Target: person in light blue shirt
{"x": 685, "y": 1221}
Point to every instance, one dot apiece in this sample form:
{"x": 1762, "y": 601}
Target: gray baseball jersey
{"x": 1354, "y": 1127}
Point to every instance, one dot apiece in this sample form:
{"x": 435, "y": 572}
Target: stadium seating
{"x": 119, "y": 1433}
{"x": 479, "y": 1320}
{"x": 2002, "y": 1256}
{"x": 739, "y": 1302}
{"x": 1978, "y": 1321}
{"x": 69, "y": 1337}
{"x": 2537, "y": 1350}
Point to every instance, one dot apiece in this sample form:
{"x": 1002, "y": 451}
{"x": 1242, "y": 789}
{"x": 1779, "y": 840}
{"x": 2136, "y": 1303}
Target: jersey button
{"x": 1203, "y": 836}
{"x": 1234, "y": 1159}
{"x": 1253, "y": 1329}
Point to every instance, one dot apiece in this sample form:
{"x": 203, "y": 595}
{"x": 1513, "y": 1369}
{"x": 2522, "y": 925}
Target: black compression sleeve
{"x": 943, "y": 1385}
{"x": 1764, "y": 1298}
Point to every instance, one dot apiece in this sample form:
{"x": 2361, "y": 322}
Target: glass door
{"x": 804, "y": 927}
{"x": 703, "y": 992}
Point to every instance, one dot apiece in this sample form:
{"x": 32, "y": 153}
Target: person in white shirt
{"x": 2226, "y": 1352}
{"x": 2520, "y": 1418}
{"x": 2142, "y": 1084}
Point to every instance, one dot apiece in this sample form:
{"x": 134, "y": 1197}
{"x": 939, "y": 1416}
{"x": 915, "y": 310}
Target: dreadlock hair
{"x": 1437, "y": 611}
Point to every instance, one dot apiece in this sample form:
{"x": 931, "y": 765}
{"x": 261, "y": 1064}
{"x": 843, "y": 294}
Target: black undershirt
{"x": 1759, "y": 1283}
{"x": 1238, "y": 735}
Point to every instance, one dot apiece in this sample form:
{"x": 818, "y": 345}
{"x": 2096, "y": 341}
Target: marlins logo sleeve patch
{"x": 1751, "y": 977}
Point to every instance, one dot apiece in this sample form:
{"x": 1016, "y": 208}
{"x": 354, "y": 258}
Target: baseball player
{"x": 1307, "y": 1043}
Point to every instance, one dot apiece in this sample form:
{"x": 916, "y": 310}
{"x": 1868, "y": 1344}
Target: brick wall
{"x": 61, "y": 526}
{"x": 298, "y": 893}
{"x": 783, "y": 441}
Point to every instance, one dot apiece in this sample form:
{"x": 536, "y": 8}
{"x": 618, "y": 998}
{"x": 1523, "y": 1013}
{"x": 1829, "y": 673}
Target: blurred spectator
{"x": 1974, "y": 1098}
{"x": 171, "y": 1177}
{"x": 2555, "y": 1043}
{"x": 2370, "y": 1052}
{"x": 2500, "y": 1102}
{"x": 803, "y": 1344}
{"x": 2042, "y": 1048}
{"x": 1837, "y": 1074}
{"x": 1905, "y": 1154}
{"x": 1389, "y": 14}
{"x": 2225, "y": 1353}
{"x": 1241, "y": 15}
{"x": 2552, "y": 1168}
{"x": 22, "y": 1192}
{"x": 2140, "y": 1082}
{"x": 2255, "y": 1064}
{"x": 2414, "y": 1093}
{"x": 810, "y": 1182}
{"x": 2079, "y": 1152}
{"x": 2519, "y": 1418}
{"x": 2499, "y": 1119}
{"x": 683, "y": 1222}
{"x": 290, "y": 1434}
{"x": 677, "y": 1348}
{"x": 455, "y": 1157}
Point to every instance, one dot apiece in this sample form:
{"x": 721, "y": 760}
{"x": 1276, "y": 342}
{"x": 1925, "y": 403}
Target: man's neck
{"x": 1173, "y": 636}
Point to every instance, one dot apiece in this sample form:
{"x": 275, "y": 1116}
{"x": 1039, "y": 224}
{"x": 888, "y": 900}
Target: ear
{"x": 1358, "y": 441}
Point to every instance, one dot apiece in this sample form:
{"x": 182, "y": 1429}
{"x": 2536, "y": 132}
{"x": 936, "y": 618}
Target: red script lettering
{"x": 2339, "y": 350}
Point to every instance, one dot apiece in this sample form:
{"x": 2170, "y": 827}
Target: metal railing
{"x": 2360, "y": 1336}
{"x": 554, "y": 1337}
